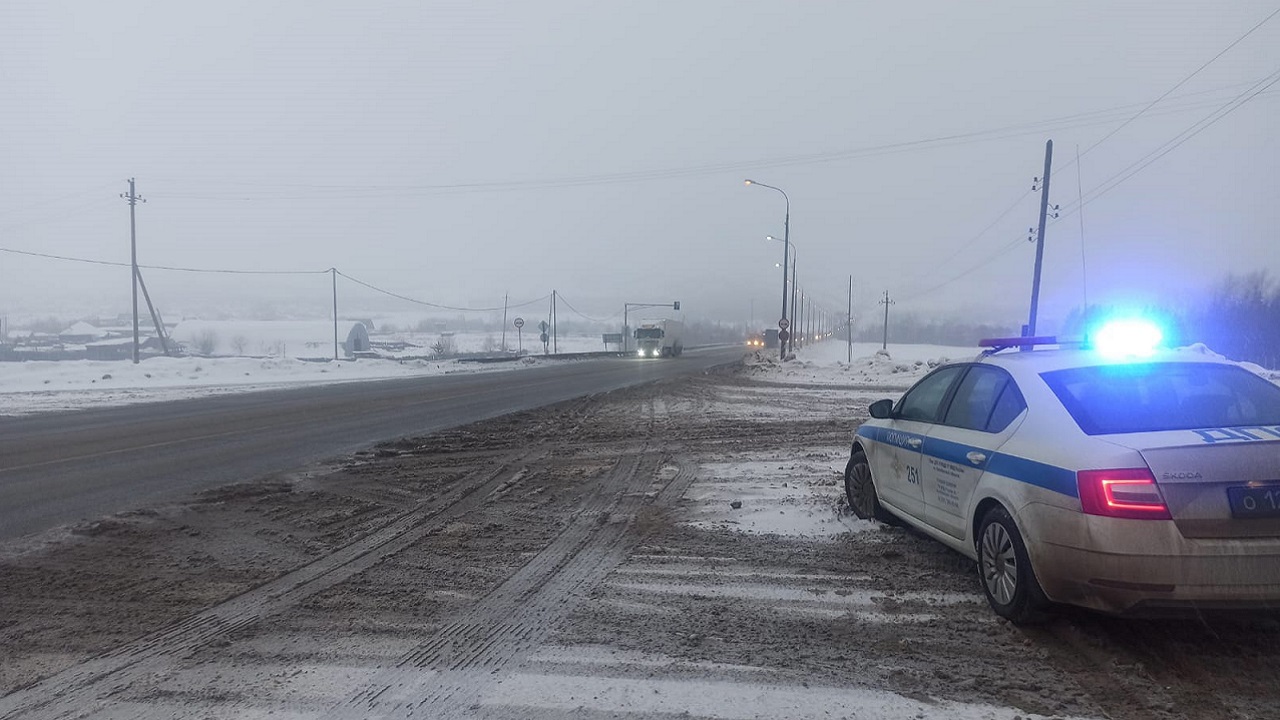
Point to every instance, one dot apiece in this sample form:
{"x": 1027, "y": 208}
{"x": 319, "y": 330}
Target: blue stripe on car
{"x": 1050, "y": 477}
{"x": 952, "y": 452}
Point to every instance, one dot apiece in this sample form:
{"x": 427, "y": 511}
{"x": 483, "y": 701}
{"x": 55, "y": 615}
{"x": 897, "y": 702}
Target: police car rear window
{"x": 1147, "y": 397}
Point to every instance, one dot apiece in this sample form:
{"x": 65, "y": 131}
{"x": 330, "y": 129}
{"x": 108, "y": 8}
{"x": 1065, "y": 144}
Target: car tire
{"x": 1005, "y": 571}
{"x": 860, "y": 490}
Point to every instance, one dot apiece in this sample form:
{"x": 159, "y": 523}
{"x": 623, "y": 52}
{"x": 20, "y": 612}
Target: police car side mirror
{"x": 881, "y": 409}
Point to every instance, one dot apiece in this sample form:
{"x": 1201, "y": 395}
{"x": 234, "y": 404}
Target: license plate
{"x": 1254, "y": 502}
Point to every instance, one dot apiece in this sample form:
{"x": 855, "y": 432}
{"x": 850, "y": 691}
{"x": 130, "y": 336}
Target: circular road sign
{"x": 519, "y": 322}
{"x": 784, "y": 323}
{"x": 783, "y": 335}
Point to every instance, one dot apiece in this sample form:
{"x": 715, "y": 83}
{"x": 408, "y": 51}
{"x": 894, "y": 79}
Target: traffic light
{"x": 676, "y": 305}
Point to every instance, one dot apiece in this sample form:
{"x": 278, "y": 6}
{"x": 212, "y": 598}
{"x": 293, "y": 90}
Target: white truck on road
{"x": 664, "y": 338}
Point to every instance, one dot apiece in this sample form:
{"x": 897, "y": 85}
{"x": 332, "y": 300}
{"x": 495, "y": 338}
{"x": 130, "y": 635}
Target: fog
{"x": 457, "y": 152}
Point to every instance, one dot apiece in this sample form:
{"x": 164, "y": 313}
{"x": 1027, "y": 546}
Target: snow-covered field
{"x": 43, "y": 386}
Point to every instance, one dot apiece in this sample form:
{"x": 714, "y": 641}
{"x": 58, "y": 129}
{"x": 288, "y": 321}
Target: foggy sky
{"x": 456, "y": 151}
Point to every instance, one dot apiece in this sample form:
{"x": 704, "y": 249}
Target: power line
{"x": 160, "y": 267}
{"x": 1182, "y": 82}
{"x": 1169, "y": 146}
{"x": 436, "y": 305}
{"x": 1000, "y": 133}
{"x": 1173, "y": 143}
{"x": 575, "y": 310}
{"x": 54, "y": 200}
{"x": 1254, "y": 90}
{"x": 983, "y": 263}
{"x": 972, "y": 240}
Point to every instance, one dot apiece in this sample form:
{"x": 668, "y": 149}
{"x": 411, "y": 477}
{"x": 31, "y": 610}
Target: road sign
{"x": 783, "y": 335}
{"x": 544, "y": 338}
{"x": 784, "y": 323}
{"x": 519, "y": 322}
{"x": 543, "y": 327}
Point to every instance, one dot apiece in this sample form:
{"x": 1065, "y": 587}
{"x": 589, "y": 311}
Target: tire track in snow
{"x": 83, "y": 687}
{"x": 453, "y": 671}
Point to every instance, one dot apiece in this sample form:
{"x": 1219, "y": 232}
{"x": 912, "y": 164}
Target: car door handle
{"x": 976, "y": 458}
{"x": 914, "y": 442}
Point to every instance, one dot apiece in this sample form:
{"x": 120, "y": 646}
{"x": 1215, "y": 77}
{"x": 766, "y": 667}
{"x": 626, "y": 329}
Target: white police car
{"x": 1125, "y": 482}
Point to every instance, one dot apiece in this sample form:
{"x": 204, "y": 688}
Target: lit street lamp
{"x": 786, "y": 251}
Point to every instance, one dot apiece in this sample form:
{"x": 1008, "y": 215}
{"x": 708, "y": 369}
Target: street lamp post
{"x": 794, "y": 292}
{"x": 786, "y": 252}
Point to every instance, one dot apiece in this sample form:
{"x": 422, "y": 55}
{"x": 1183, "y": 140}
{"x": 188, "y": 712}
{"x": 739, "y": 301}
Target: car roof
{"x": 1060, "y": 358}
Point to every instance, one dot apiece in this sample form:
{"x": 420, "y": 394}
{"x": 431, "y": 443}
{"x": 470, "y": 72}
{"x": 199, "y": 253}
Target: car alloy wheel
{"x": 860, "y": 490}
{"x": 999, "y": 564}
{"x": 1005, "y": 570}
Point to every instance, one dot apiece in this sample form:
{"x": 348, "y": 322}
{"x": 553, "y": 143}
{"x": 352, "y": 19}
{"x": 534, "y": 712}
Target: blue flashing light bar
{"x": 1127, "y": 338}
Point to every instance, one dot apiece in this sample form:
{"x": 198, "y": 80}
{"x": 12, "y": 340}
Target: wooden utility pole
{"x": 886, "y": 302}
{"x": 1044, "y": 212}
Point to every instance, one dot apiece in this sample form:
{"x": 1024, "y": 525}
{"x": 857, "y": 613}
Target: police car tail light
{"x": 1125, "y": 493}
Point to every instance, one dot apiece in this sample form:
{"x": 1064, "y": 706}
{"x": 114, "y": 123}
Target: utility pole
{"x": 886, "y": 302}
{"x": 333, "y": 272}
{"x": 555, "y": 324}
{"x": 505, "y": 297}
{"x": 848, "y": 320}
{"x": 1044, "y": 211}
{"x": 133, "y": 199}
{"x": 155, "y": 316}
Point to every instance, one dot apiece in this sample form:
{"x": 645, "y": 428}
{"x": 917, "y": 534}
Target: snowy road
{"x": 59, "y": 468}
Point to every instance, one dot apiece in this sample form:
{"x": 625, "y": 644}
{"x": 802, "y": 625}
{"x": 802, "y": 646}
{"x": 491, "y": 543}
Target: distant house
{"x": 122, "y": 348}
{"x": 81, "y": 333}
{"x": 305, "y": 339}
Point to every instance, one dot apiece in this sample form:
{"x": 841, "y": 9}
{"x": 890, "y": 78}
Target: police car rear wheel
{"x": 861, "y": 491}
{"x": 1005, "y": 570}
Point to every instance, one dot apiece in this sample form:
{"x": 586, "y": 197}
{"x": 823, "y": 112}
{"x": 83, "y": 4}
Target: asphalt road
{"x": 61, "y": 468}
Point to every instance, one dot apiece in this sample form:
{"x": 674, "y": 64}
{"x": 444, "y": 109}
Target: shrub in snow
{"x": 206, "y": 342}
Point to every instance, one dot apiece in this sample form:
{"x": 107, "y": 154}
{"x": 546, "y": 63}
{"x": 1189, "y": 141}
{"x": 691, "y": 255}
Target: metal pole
{"x": 133, "y": 262}
{"x": 625, "y": 340}
{"x": 802, "y": 316}
{"x": 786, "y": 255}
{"x": 1044, "y": 211}
{"x": 795, "y": 309}
{"x": 334, "y": 273}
